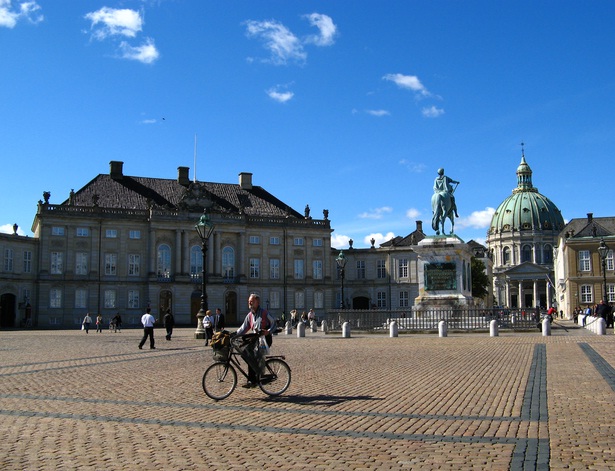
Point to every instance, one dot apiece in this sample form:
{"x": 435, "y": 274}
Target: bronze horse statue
{"x": 442, "y": 208}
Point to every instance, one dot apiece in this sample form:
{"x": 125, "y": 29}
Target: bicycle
{"x": 220, "y": 378}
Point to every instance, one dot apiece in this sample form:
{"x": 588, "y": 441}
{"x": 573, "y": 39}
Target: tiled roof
{"x": 141, "y": 192}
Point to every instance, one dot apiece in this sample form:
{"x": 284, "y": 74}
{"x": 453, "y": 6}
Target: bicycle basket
{"x": 220, "y": 340}
{"x": 222, "y": 354}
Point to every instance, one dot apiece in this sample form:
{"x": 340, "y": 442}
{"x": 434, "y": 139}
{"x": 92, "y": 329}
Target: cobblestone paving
{"x": 468, "y": 401}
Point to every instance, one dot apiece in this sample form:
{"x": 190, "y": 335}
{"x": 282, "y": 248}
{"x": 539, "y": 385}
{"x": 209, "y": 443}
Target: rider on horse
{"x": 443, "y": 184}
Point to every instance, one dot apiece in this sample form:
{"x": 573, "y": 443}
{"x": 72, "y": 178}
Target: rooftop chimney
{"x": 419, "y": 226}
{"x": 116, "y": 170}
{"x": 245, "y": 181}
{"x": 590, "y": 217}
{"x": 182, "y": 176}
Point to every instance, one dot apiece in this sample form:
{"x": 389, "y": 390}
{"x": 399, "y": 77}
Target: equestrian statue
{"x": 443, "y": 203}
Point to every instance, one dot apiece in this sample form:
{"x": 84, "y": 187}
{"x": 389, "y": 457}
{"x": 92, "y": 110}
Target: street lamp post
{"x": 341, "y": 264}
{"x": 204, "y": 229}
{"x": 603, "y": 251}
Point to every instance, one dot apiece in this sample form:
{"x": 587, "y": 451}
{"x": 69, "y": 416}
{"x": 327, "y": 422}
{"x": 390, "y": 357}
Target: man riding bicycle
{"x": 258, "y": 320}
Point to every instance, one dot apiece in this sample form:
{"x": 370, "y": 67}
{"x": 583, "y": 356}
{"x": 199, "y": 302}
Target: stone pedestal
{"x": 445, "y": 273}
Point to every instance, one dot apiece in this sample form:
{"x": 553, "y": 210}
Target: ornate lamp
{"x": 204, "y": 229}
{"x": 603, "y": 251}
{"x": 341, "y": 265}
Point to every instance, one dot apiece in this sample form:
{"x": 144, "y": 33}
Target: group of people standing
{"x": 213, "y": 323}
{"x": 306, "y": 317}
{"x": 602, "y": 309}
{"x": 115, "y": 323}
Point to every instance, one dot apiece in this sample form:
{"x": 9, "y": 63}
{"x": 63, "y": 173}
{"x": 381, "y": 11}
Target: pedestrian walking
{"x": 87, "y": 321}
{"x": 148, "y": 322}
{"x": 169, "y": 322}
{"x": 99, "y": 323}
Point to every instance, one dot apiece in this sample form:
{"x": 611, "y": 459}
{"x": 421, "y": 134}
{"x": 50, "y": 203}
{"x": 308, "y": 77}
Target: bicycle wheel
{"x": 219, "y": 380}
{"x": 276, "y": 378}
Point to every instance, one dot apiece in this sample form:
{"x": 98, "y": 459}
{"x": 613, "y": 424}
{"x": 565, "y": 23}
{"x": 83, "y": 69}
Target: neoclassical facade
{"x": 522, "y": 235}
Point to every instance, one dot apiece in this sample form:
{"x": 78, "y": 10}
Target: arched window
{"x": 506, "y": 256}
{"x": 228, "y": 262}
{"x": 526, "y": 253}
{"x": 163, "y": 268}
{"x": 547, "y": 254}
{"x": 196, "y": 260}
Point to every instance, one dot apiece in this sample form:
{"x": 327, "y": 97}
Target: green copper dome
{"x": 526, "y": 209}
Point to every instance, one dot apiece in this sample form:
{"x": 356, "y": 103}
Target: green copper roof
{"x": 526, "y": 209}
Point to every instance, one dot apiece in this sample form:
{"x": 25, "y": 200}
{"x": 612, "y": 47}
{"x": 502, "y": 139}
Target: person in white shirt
{"x": 148, "y": 322}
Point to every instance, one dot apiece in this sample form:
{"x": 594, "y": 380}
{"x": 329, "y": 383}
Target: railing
{"x": 467, "y": 319}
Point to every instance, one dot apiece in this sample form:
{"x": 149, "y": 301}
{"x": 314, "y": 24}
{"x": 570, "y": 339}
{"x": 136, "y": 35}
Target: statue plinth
{"x": 445, "y": 273}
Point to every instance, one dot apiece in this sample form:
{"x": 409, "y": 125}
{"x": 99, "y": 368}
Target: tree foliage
{"x": 480, "y": 280}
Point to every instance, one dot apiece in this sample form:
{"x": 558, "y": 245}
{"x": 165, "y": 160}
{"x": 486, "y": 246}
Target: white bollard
{"x": 346, "y": 330}
{"x": 442, "y": 329}
{"x": 393, "y": 329}
{"x": 300, "y": 330}
{"x": 324, "y": 327}
{"x": 601, "y": 327}
{"x": 546, "y": 327}
{"x": 494, "y": 329}
{"x": 314, "y": 325}
{"x": 288, "y": 328}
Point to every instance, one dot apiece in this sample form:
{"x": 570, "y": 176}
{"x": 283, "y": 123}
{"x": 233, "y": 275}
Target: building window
{"x": 298, "y": 241}
{"x": 134, "y": 264}
{"x": 526, "y": 253}
{"x": 55, "y": 298}
{"x": 81, "y": 298}
{"x": 547, "y": 254}
{"x": 109, "y": 299}
{"x": 8, "y": 260}
{"x": 196, "y": 260}
{"x": 360, "y": 269}
{"x": 274, "y": 269}
{"x": 81, "y": 263}
{"x": 381, "y": 299}
{"x": 610, "y": 292}
{"x": 403, "y": 268}
{"x": 110, "y": 264}
{"x": 299, "y": 300}
{"x": 254, "y": 239}
{"x": 587, "y": 294}
{"x": 134, "y": 234}
{"x": 57, "y": 263}
{"x": 506, "y": 256}
{"x": 164, "y": 260}
{"x": 133, "y": 299}
{"x": 381, "y": 269}
{"x": 299, "y": 273}
{"x": 317, "y": 269}
{"x": 274, "y": 241}
{"x": 317, "y": 243}
{"x": 57, "y": 231}
{"x": 228, "y": 262}
{"x": 584, "y": 260}
{"x": 319, "y": 300}
{"x": 274, "y": 299}
{"x": 27, "y": 261}
{"x": 609, "y": 260}
{"x": 255, "y": 268}
{"x": 83, "y": 232}
{"x": 111, "y": 233}
{"x": 403, "y": 299}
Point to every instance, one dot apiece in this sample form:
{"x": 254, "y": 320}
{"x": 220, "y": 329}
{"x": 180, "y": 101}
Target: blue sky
{"x": 349, "y": 106}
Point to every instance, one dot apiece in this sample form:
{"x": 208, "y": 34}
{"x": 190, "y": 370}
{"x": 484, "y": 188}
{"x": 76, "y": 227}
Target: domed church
{"x": 520, "y": 239}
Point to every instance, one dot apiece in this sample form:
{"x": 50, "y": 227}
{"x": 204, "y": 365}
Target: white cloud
{"x": 409, "y": 82}
{"x": 10, "y": 14}
{"x": 327, "y": 29}
{"x": 282, "y": 44}
{"x": 432, "y": 112}
{"x": 412, "y": 213}
{"x": 379, "y": 238}
{"x": 413, "y": 166}
{"x": 339, "y": 241}
{"x": 275, "y": 93}
{"x": 8, "y": 228}
{"x": 477, "y": 219}
{"x": 114, "y": 22}
{"x": 149, "y": 121}
{"x": 377, "y": 213}
{"x": 146, "y": 53}
{"x": 378, "y": 113}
